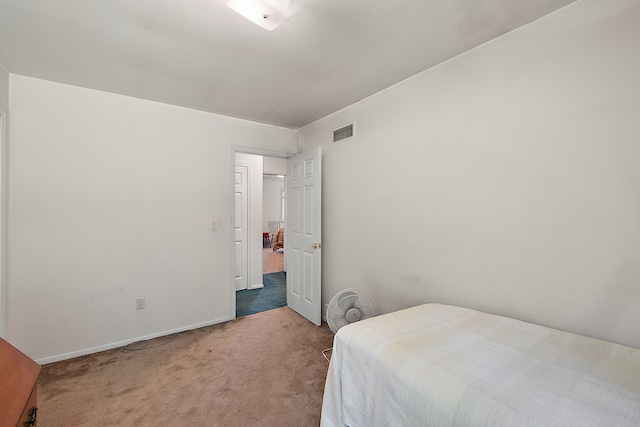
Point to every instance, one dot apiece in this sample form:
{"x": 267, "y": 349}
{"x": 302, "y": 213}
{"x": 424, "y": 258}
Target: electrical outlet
{"x": 139, "y": 303}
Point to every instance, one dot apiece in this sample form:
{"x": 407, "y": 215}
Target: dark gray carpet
{"x": 273, "y": 295}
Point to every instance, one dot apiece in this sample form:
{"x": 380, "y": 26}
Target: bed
{"x": 441, "y": 365}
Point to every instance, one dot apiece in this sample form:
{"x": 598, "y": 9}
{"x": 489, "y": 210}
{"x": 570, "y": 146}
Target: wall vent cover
{"x": 344, "y": 132}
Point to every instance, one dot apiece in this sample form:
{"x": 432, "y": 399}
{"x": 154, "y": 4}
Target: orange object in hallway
{"x": 279, "y": 241}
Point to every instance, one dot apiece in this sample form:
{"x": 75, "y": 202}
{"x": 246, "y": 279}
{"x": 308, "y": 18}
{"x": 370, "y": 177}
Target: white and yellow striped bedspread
{"x": 439, "y": 365}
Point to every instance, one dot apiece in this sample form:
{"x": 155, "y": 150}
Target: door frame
{"x": 232, "y": 209}
{"x": 3, "y": 219}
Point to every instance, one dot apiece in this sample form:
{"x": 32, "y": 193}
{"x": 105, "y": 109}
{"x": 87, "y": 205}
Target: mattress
{"x": 440, "y": 365}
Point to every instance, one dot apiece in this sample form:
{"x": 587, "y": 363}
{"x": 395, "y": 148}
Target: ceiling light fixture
{"x": 266, "y": 13}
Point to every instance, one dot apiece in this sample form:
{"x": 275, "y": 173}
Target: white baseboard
{"x": 258, "y": 286}
{"x": 110, "y": 346}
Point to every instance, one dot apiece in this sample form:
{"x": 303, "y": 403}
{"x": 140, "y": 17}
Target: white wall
{"x": 254, "y": 163}
{"x": 112, "y": 198}
{"x": 505, "y": 179}
{"x": 275, "y": 166}
{"x": 271, "y": 200}
{"x": 4, "y": 88}
{"x": 273, "y": 185}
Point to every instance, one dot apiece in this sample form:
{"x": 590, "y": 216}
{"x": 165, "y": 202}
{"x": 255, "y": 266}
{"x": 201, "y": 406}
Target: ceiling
{"x": 200, "y": 54}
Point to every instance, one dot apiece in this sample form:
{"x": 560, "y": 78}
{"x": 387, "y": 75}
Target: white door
{"x": 303, "y": 234}
{"x": 241, "y": 223}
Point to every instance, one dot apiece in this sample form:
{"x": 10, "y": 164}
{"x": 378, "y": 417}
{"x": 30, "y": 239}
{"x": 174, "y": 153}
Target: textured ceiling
{"x": 202, "y": 55}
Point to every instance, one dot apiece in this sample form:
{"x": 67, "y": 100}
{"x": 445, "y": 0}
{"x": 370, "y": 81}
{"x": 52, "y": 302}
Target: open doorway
{"x": 273, "y": 222}
{"x": 303, "y": 231}
{"x": 259, "y": 227}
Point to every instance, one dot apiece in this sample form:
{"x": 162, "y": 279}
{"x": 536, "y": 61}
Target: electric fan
{"x": 348, "y": 306}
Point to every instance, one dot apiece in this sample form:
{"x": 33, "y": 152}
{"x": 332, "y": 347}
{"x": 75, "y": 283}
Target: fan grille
{"x": 348, "y": 306}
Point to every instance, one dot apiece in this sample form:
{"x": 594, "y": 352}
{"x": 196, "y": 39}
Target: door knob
{"x": 315, "y": 245}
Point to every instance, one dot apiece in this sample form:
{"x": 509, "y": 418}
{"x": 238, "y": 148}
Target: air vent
{"x": 345, "y": 132}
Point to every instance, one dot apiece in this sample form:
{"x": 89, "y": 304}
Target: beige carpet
{"x": 260, "y": 370}
{"x": 272, "y": 262}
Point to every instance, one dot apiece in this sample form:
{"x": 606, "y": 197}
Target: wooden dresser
{"x": 18, "y": 376}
